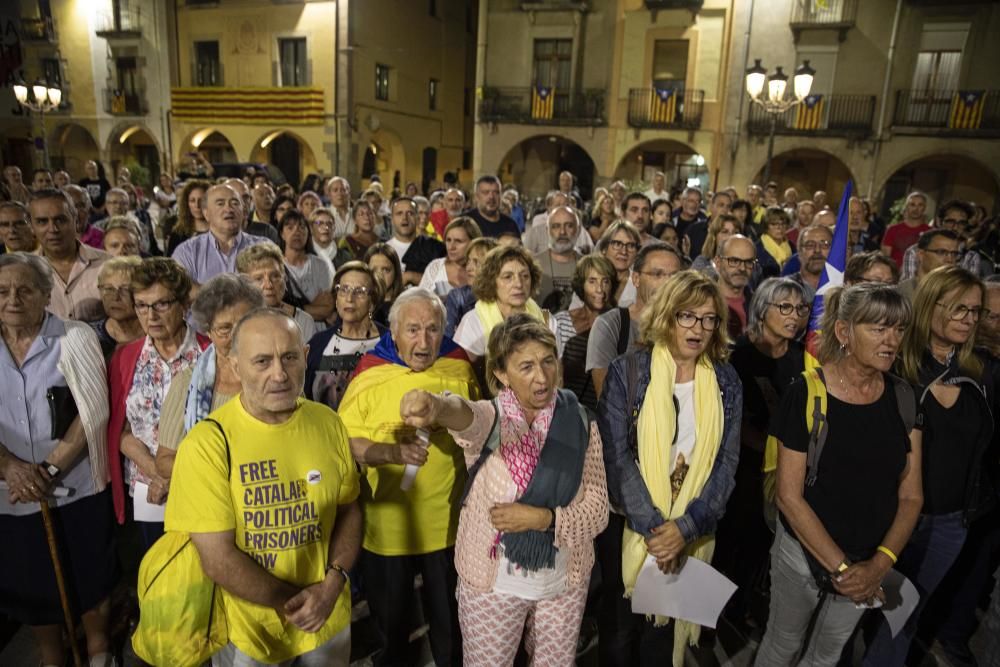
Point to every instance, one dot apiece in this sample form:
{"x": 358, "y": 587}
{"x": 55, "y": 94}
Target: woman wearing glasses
{"x": 619, "y": 245}
{"x": 121, "y": 326}
{"x": 767, "y": 358}
{"x": 139, "y": 379}
{"x": 773, "y": 248}
{"x": 334, "y": 353}
{"x": 955, "y": 390}
{"x": 669, "y": 418}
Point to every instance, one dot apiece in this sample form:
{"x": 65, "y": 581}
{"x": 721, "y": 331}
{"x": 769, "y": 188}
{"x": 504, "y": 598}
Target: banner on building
{"x": 664, "y": 105}
{"x": 967, "y": 110}
{"x": 809, "y": 114}
{"x": 543, "y": 102}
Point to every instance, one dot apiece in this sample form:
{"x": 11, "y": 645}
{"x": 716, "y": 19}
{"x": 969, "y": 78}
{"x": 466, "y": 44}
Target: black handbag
{"x": 62, "y": 410}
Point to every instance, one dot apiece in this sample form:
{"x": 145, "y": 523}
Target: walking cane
{"x": 50, "y": 536}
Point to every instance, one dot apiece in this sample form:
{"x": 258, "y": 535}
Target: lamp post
{"x": 41, "y": 98}
{"x": 775, "y": 102}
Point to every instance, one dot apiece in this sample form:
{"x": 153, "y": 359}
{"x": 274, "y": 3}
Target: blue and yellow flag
{"x": 663, "y": 108}
{"x": 809, "y": 114}
{"x": 543, "y": 102}
{"x": 967, "y": 110}
{"x": 833, "y": 276}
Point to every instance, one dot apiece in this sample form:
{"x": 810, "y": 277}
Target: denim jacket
{"x": 627, "y": 490}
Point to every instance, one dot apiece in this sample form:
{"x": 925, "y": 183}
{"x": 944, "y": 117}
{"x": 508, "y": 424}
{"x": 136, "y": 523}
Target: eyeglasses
{"x": 109, "y": 292}
{"x": 623, "y": 245}
{"x": 942, "y": 253}
{"x": 159, "y": 306}
{"x": 323, "y": 223}
{"x": 708, "y": 322}
{"x": 990, "y": 316}
{"x": 737, "y": 262}
{"x": 955, "y": 222}
{"x": 960, "y": 310}
{"x": 812, "y": 246}
{"x": 786, "y": 308}
{"x": 777, "y": 223}
{"x": 349, "y": 292}
{"x": 14, "y": 224}
{"x": 659, "y": 275}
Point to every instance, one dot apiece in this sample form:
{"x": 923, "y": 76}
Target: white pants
{"x": 334, "y": 653}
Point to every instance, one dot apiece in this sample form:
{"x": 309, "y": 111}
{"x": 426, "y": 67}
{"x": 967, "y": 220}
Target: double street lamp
{"x": 41, "y": 98}
{"x": 774, "y": 102}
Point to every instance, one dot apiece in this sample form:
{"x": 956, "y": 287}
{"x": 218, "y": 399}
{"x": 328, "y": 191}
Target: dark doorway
{"x": 575, "y": 160}
{"x": 430, "y": 169}
{"x": 285, "y": 155}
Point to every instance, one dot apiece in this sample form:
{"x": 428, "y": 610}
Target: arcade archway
{"x": 534, "y": 164}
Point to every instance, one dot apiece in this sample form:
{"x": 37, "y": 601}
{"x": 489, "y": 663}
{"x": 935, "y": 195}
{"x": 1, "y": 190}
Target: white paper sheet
{"x": 901, "y": 598}
{"x": 145, "y": 510}
{"x": 410, "y": 471}
{"x": 697, "y": 593}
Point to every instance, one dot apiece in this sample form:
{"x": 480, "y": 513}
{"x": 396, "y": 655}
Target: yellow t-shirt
{"x": 424, "y": 518}
{"x": 281, "y": 501}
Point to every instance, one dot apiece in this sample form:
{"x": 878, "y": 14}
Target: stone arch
{"x": 679, "y": 162}
{"x": 534, "y": 165}
{"x": 71, "y": 145}
{"x": 135, "y": 146}
{"x": 943, "y": 176}
{"x": 215, "y": 145}
{"x": 808, "y": 170}
{"x": 385, "y": 156}
{"x": 288, "y": 152}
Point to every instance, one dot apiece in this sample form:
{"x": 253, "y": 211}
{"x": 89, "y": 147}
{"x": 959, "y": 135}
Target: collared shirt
{"x": 204, "y": 259}
{"x": 78, "y": 298}
{"x": 26, "y": 415}
{"x": 150, "y": 384}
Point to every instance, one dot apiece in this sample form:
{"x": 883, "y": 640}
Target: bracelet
{"x": 339, "y": 570}
{"x": 888, "y": 552}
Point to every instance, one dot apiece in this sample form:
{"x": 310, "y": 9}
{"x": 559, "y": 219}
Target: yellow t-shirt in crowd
{"x": 280, "y": 499}
{"x": 424, "y": 518}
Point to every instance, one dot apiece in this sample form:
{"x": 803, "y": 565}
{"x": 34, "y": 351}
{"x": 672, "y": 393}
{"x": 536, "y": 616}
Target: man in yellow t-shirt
{"x": 412, "y": 530}
{"x": 269, "y": 495}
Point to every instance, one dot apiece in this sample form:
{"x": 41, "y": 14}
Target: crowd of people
{"x": 517, "y": 407}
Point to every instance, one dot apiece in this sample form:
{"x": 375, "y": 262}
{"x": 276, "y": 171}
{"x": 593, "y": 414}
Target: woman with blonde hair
{"x": 603, "y": 215}
{"x": 444, "y": 274}
{"x": 956, "y": 395}
{"x": 669, "y": 417}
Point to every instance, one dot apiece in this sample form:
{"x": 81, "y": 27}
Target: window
{"x": 553, "y": 63}
{"x": 670, "y": 61}
{"x": 207, "y": 71}
{"x": 292, "y": 53}
{"x": 381, "y": 82}
{"x": 52, "y": 72}
{"x": 432, "y": 94}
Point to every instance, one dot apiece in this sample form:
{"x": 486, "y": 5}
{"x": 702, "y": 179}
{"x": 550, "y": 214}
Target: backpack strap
{"x": 905, "y": 401}
{"x": 624, "y": 324}
{"x": 229, "y": 457}
{"x": 490, "y": 446}
{"x": 816, "y": 421}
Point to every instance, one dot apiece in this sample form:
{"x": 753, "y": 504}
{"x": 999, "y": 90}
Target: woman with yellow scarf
{"x": 506, "y": 281}
{"x": 773, "y": 248}
{"x": 669, "y": 419}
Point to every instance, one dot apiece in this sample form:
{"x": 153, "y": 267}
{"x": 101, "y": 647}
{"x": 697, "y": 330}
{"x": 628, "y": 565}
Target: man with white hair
{"x": 411, "y": 488}
{"x": 338, "y": 191}
{"x": 558, "y": 263}
{"x": 658, "y": 191}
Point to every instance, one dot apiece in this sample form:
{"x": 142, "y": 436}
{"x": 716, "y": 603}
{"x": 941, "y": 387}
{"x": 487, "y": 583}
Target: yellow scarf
{"x": 656, "y": 427}
{"x": 489, "y": 315}
{"x": 781, "y": 253}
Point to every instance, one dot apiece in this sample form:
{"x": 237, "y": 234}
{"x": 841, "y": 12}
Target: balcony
{"x": 121, "y": 23}
{"x": 249, "y": 106}
{"x": 693, "y": 6}
{"x": 513, "y": 105}
{"x": 645, "y": 109}
{"x": 831, "y": 116}
{"x": 970, "y": 113}
{"x": 836, "y": 15}
{"x": 38, "y": 29}
{"x": 118, "y": 103}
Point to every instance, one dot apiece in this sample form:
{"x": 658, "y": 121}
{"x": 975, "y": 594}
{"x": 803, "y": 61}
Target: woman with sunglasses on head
{"x": 956, "y": 397}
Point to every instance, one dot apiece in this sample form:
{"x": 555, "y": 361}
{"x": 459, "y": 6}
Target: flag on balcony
{"x": 543, "y": 102}
{"x": 967, "y": 110}
{"x": 664, "y": 105}
{"x": 809, "y": 114}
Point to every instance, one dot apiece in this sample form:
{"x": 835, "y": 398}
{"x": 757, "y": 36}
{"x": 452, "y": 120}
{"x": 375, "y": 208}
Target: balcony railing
{"x": 37, "y": 29}
{"x": 952, "y": 112}
{"x": 690, "y": 5}
{"x": 681, "y": 109}
{"x": 830, "y": 115}
{"x": 122, "y": 23}
{"x": 514, "y": 105}
{"x": 817, "y": 14}
{"x": 118, "y": 103}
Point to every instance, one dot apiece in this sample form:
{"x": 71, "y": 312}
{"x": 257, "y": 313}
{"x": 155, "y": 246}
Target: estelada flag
{"x": 809, "y": 114}
{"x": 543, "y": 99}
{"x": 663, "y": 108}
{"x": 967, "y": 110}
{"x": 833, "y": 276}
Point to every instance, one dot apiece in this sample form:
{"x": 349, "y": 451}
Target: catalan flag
{"x": 663, "y": 108}
{"x": 809, "y": 114}
{"x": 833, "y": 276}
{"x": 967, "y": 110}
{"x": 543, "y": 102}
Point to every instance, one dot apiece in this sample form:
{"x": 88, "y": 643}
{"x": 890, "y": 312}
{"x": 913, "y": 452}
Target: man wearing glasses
{"x": 814, "y": 248}
{"x": 15, "y": 228}
{"x": 954, "y": 216}
{"x": 938, "y": 247}
{"x": 734, "y": 261}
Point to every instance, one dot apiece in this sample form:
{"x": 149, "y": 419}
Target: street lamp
{"x": 774, "y": 101}
{"x": 43, "y": 98}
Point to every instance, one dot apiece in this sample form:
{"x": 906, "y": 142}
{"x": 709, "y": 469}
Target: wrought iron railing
{"x": 949, "y": 111}
{"x": 514, "y": 105}
{"x": 831, "y": 115}
{"x": 646, "y": 108}
{"x": 121, "y": 103}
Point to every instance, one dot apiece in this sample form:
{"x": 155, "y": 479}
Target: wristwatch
{"x": 50, "y": 468}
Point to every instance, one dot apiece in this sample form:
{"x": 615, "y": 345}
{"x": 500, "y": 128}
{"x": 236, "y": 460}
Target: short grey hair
{"x": 87, "y": 202}
{"x": 120, "y": 191}
{"x": 772, "y": 290}
{"x": 41, "y": 268}
{"x": 412, "y": 295}
{"x": 256, "y": 314}
{"x": 551, "y": 197}
{"x": 224, "y": 291}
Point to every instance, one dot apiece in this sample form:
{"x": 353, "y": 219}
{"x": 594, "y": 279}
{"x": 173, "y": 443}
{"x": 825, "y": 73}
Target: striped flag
{"x": 967, "y": 110}
{"x": 663, "y": 108}
{"x": 833, "y": 276}
{"x": 809, "y": 114}
{"x": 543, "y": 102}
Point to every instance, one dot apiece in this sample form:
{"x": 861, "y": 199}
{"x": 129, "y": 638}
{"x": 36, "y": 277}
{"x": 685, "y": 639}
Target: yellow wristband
{"x": 888, "y": 553}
